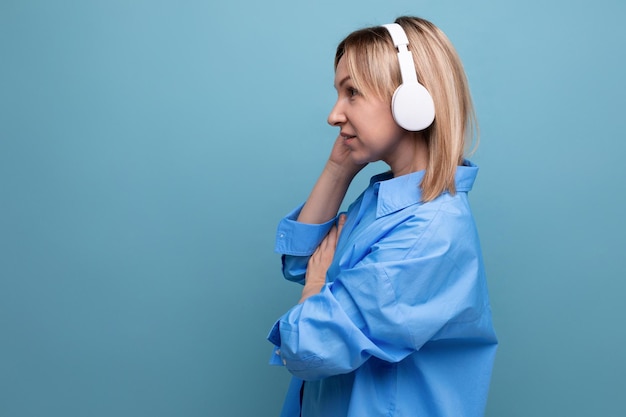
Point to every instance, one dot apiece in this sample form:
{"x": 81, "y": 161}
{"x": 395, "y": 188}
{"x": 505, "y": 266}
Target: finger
{"x": 331, "y": 238}
{"x": 324, "y": 243}
{"x": 340, "y": 222}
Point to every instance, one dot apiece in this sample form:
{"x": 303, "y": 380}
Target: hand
{"x": 341, "y": 161}
{"x": 320, "y": 261}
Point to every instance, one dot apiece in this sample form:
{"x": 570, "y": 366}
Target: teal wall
{"x": 148, "y": 149}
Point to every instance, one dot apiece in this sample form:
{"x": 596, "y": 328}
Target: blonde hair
{"x": 372, "y": 63}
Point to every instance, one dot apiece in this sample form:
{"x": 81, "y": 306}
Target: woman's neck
{"x": 411, "y": 156}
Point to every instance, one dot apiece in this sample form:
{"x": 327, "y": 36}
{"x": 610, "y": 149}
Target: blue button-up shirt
{"x": 403, "y": 325}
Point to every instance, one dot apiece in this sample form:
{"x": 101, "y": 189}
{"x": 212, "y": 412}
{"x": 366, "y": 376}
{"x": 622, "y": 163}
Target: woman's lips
{"x": 347, "y": 138}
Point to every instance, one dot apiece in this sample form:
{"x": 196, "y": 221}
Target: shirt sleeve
{"x": 411, "y": 288}
{"x": 297, "y": 241}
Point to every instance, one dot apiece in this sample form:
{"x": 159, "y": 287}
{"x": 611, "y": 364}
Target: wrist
{"x": 310, "y": 290}
{"x": 341, "y": 172}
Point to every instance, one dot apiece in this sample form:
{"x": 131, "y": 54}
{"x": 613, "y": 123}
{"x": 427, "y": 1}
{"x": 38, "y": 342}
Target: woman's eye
{"x": 353, "y": 91}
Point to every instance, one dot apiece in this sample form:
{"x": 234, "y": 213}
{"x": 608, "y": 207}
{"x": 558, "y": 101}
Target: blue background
{"x": 148, "y": 149}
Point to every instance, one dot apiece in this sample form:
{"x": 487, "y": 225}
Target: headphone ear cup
{"x": 413, "y": 107}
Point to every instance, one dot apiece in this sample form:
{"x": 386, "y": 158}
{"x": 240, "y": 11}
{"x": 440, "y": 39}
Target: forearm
{"x": 327, "y": 194}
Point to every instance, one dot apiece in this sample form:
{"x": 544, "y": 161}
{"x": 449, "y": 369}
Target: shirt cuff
{"x": 299, "y": 239}
{"x": 274, "y": 336}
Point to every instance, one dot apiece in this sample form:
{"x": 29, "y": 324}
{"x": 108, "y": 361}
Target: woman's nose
{"x": 336, "y": 116}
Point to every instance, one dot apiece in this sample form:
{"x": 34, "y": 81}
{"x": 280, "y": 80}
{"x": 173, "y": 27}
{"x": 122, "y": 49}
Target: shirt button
{"x": 282, "y": 235}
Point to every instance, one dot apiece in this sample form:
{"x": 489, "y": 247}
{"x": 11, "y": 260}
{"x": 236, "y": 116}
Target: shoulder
{"x": 443, "y": 226}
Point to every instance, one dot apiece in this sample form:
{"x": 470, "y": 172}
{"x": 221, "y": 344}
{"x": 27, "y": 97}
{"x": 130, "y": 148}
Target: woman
{"x": 394, "y": 318}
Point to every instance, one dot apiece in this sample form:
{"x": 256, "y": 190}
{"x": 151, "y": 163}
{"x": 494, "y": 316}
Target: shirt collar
{"x": 397, "y": 193}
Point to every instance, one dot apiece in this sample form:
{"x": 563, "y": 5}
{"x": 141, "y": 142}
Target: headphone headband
{"x": 405, "y": 57}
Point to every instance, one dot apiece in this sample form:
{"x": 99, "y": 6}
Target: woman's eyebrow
{"x": 346, "y": 78}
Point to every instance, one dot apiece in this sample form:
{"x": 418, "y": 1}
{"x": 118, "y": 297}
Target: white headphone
{"x": 412, "y": 105}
